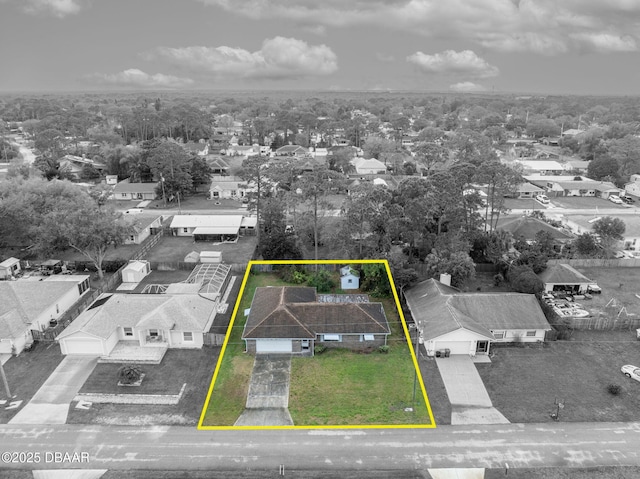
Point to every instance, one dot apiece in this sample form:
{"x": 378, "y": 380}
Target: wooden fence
{"x": 598, "y": 263}
{"x": 602, "y": 323}
{"x": 212, "y": 339}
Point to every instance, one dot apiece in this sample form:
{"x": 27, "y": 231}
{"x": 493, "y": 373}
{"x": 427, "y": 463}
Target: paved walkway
{"x": 50, "y": 404}
{"x": 470, "y": 402}
{"x": 268, "y": 396}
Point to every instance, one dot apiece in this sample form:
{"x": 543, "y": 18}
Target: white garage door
{"x": 456, "y": 347}
{"x": 83, "y": 346}
{"x": 273, "y": 346}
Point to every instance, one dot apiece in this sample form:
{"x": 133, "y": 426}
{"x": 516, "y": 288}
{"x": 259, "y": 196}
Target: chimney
{"x": 445, "y": 278}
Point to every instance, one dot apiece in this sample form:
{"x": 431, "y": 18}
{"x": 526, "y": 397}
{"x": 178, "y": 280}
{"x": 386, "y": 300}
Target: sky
{"x": 586, "y": 47}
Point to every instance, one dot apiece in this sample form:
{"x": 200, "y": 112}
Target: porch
{"x": 132, "y": 352}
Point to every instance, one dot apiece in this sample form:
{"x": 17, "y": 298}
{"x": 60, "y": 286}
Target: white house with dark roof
{"x": 369, "y": 166}
{"x": 213, "y": 227}
{"x": 134, "y": 191}
{"x": 229, "y": 187}
{"x": 143, "y": 226}
{"x": 467, "y": 323}
{"x": 31, "y": 303}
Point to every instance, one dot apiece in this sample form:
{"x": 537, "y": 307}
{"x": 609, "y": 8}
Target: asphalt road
{"x": 181, "y": 448}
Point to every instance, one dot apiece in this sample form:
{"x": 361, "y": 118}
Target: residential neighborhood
{"x": 320, "y": 239}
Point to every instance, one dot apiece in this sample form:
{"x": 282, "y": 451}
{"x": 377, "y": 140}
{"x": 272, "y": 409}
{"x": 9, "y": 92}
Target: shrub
{"x": 384, "y": 348}
{"x": 498, "y": 279}
{"x": 129, "y": 374}
{"x": 614, "y": 389}
{"x": 322, "y": 281}
{"x": 319, "y": 349}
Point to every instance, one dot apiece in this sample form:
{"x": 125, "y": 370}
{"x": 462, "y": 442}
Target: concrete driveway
{"x": 268, "y": 396}
{"x": 50, "y": 404}
{"x": 470, "y": 402}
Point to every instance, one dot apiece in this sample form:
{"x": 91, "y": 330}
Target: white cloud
{"x": 59, "y": 8}
{"x": 541, "y": 26}
{"x": 465, "y": 62}
{"x": 466, "y": 86}
{"x": 279, "y": 57}
{"x": 139, "y": 79}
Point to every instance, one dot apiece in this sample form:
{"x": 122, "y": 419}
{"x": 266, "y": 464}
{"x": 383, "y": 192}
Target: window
{"x": 185, "y": 230}
{"x": 332, "y": 337}
{"x": 369, "y": 337}
{"x": 128, "y": 331}
{"x": 498, "y": 334}
{"x": 153, "y": 333}
{"x": 132, "y": 238}
{"x": 123, "y": 195}
{"x": 349, "y": 281}
{"x": 82, "y": 287}
{"x": 187, "y": 336}
{"x": 531, "y": 333}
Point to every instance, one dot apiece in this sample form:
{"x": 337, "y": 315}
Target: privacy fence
{"x": 598, "y": 263}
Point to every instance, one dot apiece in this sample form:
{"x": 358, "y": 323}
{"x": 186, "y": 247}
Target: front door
{"x": 482, "y": 347}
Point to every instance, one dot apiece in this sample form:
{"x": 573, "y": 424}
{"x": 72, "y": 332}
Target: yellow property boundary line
{"x": 363, "y": 426}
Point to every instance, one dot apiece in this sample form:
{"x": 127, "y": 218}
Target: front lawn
{"x": 193, "y": 367}
{"x": 524, "y": 382}
{"x": 26, "y": 373}
{"x": 337, "y": 387}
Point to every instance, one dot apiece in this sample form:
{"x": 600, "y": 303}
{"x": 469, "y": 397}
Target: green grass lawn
{"x": 523, "y": 382}
{"x": 26, "y": 373}
{"x": 338, "y": 387}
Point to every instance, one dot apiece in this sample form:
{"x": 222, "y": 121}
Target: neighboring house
{"x": 574, "y": 186}
{"x": 369, "y": 166}
{"x": 134, "y": 191}
{"x": 142, "y": 320}
{"x": 9, "y": 268}
{"x": 633, "y": 187}
{"x": 541, "y": 167}
{"x": 30, "y": 304}
{"x": 135, "y": 271}
{"x": 75, "y": 164}
{"x": 580, "y": 224}
{"x": 290, "y": 319}
{"x": 571, "y": 132}
{"x": 564, "y": 277}
{"x": 213, "y": 227}
{"x": 468, "y": 323}
{"x": 219, "y": 166}
{"x": 527, "y": 190}
{"x": 143, "y": 227}
{"x": 526, "y": 228}
{"x": 577, "y": 165}
{"x": 199, "y": 148}
{"x": 349, "y": 278}
{"x": 228, "y": 187}
{"x": 243, "y": 150}
{"x": 291, "y": 150}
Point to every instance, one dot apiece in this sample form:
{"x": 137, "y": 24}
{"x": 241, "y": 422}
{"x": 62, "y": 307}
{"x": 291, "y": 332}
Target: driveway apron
{"x": 470, "y": 402}
{"x": 268, "y": 396}
{"x": 50, "y": 404}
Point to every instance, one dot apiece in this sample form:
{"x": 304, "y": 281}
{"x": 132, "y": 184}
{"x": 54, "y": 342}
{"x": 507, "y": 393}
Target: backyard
{"x": 354, "y": 388}
{"x": 179, "y": 366}
{"x": 525, "y": 382}
{"x": 174, "y": 249}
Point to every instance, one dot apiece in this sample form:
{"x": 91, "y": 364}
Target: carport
{"x": 215, "y": 233}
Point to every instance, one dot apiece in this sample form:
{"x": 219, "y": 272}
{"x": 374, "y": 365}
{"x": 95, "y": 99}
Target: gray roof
{"x": 563, "y": 274}
{"x": 293, "y": 312}
{"x": 126, "y": 187}
{"x": 439, "y": 309}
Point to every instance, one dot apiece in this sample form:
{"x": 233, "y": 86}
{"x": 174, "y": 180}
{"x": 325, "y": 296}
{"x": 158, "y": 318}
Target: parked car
{"x": 631, "y": 371}
{"x": 627, "y": 199}
{"x": 594, "y": 289}
{"x": 615, "y": 199}
{"x": 542, "y": 199}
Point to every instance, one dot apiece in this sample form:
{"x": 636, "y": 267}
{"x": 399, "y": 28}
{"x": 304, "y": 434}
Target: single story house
{"x": 633, "y": 187}
{"x": 200, "y": 148}
{"x": 369, "y": 166}
{"x": 134, "y": 191}
{"x": 245, "y": 151}
{"x": 574, "y": 186}
{"x": 135, "y": 271}
{"x": 468, "y": 323}
{"x": 291, "y": 150}
{"x": 213, "y": 227}
{"x": 218, "y": 165}
{"x": 349, "y": 278}
{"x": 542, "y": 167}
{"x": 526, "y": 228}
{"x": 145, "y": 320}
{"x": 228, "y": 187}
{"x": 290, "y": 319}
{"x": 75, "y": 165}
{"x": 564, "y": 277}
{"x": 143, "y": 226}
{"x": 527, "y": 190}
{"x": 9, "y": 268}
{"x": 31, "y": 303}
{"x": 580, "y": 224}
